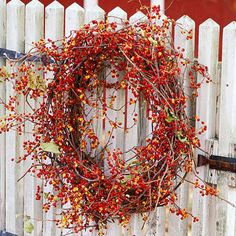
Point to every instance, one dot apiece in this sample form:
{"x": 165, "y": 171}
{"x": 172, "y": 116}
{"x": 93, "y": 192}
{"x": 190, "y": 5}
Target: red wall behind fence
{"x": 222, "y": 11}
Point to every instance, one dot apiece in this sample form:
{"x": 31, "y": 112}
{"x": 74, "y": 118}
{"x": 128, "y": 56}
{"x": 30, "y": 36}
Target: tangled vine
{"x": 92, "y": 90}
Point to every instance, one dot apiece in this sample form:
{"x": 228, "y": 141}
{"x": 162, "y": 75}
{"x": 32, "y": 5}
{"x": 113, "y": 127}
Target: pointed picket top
{"x": 54, "y": 21}
{"x": 208, "y": 55}
{"x": 184, "y": 18}
{"x": 15, "y": 25}
{"x": 230, "y": 26}
{"x": 209, "y": 23}
{"x": 34, "y": 4}
{"x": 34, "y": 23}
{"x": 138, "y": 17}
{"x": 117, "y": 15}
{"x": 54, "y": 8}
{"x": 15, "y": 3}
{"x": 118, "y": 12}
{"x": 55, "y": 5}
{"x": 209, "y": 29}
{"x": 75, "y": 7}
{"x": 95, "y": 13}
{"x": 186, "y": 22}
{"x": 208, "y": 46}
{"x": 74, "y": 18}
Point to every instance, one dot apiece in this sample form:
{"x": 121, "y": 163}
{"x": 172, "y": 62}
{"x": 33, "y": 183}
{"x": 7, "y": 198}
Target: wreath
{"x": 94, "y": 88}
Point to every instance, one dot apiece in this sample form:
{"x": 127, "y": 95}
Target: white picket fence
{"x": 21, "y": 25}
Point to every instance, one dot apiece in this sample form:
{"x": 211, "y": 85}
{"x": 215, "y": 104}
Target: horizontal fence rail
{"x": 21, "y": 24}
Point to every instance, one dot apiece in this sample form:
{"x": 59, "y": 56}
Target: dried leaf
{"x": 28, "y": 226}
{"x": 4, "y": 73}
{"x": 36, "y": 81}
{"x": 50, "y": 147}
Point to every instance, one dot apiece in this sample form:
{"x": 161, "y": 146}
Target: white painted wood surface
{"x": 226, "y": 214}
{"x": 74, "y": 19}
{"x": 137, "y": 17}
{"x": 180, "y": 40}
{"x": 119, "y": 16}
{"x": 2, "y": 114}
{"x": 34, "y": 31}
{"x": 156, "y": 222}
{"x": 206, "y": 110}
{"x": 14, "y": 189}
{"x": 54, "y": 30}
{"x": 54, "y": 21}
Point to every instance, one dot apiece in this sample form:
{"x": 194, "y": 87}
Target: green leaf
{"x": 169, "y": 119}
{"x": 124, "y": 181}
{"x": 46, "y": 195}
{"x": 170, "y": 116}
{"x": 182, "y": 139}
{"x": 28, "y": 226}
{"x": 50, "y": 147}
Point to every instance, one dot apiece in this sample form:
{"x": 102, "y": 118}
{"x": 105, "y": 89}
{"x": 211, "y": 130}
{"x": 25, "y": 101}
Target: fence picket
{"x": 14, "y": 189}
{"x": 54, "y": 20}
{"x": 206, "y": 110}
{"x": 54, "y": 30}
{"x": 74, "y": 18}
{"x": 119, "y": 16}
{"x": 156, "y": 222}
{"x": 96, "y": 13}
{"x": 34, "y": 31}
{"x": 2, "y": 114}
{"x": 226, "y": 214}
{"x": 180, "y": 40}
